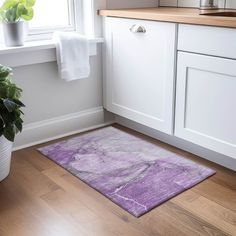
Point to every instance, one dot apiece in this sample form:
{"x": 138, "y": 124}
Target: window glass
{"x": 51, "y": 13}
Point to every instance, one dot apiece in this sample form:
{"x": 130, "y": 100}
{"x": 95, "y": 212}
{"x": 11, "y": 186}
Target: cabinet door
{"x": 140, "y": 71}
{"x": 206, "y": 102}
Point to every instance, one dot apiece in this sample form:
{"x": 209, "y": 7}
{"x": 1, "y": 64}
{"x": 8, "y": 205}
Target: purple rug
{"x": 131, "y": 172}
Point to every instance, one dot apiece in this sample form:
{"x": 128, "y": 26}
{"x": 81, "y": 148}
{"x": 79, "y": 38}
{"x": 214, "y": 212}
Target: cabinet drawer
{"x": 214, "y": 41}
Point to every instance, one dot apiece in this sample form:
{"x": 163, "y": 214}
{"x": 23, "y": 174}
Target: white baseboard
{"x": 52, "y": 129}
{"x": 179, "y": 143}
{"x": 48, "y": 130}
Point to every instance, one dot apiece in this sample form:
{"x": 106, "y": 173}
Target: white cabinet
{"x": 206, "y": 102}
{"x": 140, "y": 69}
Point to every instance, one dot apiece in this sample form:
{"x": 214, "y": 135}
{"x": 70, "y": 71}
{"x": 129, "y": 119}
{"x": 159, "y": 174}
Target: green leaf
{"x": 10, "y": 113}
{"x": 1, "y": 117}
{"x": 9, "y": 133}
{"x": 3, "y": 92}
{"x": 19, "y": 103}
{"x": 11, "y": 15}
{"x": 5, "y": 71}
{"x": 21, "y": 10}
{"x": 14, "y": 92}
{"x": 10, "y": 105}
{"x": 9, "y": 4}
{"x": 7, "y": 117}
{"x": 19, "y": 125}
{"x": 11, "y": 91}
{"x": 28, "y": 15}
{"x": 1, "y": 127}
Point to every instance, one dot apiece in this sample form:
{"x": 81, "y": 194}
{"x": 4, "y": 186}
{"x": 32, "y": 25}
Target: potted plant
{"x": 10, "y": 118}
{"x": 13, "y": 13}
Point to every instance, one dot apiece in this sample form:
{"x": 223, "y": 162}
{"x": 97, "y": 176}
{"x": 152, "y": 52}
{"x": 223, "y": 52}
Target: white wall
{"x": 131, "y": 3}
{"x": 196, "y": 3}
{"x": 231, "y": 4}
{"x": 47, "y": 96}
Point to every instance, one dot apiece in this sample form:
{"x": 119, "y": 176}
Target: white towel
{"x": 72, "y": 55}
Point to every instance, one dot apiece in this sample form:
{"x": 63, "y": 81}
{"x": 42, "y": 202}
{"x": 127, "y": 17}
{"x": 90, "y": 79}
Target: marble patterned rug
{"x": 131, "y": 172}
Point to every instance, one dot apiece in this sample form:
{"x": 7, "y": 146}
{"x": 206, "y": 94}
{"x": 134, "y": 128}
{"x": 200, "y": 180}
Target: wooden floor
{"x": 41, "y": 199}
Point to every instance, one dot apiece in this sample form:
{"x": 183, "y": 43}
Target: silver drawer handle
{"x": 138, "y": 29}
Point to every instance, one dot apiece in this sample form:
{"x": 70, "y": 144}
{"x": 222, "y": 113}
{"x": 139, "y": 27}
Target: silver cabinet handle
{"x": 138, "y": 29}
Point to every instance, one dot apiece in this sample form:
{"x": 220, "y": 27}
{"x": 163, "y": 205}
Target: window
{"x": 53, "y": 14}
{"x": 63, "y": 15}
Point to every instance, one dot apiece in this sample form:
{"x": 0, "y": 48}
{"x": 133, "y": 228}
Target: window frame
{"x": 76, "y": 23}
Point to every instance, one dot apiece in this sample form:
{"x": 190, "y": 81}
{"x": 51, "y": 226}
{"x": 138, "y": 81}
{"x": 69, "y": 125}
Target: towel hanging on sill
{"x": 72, "y": 55}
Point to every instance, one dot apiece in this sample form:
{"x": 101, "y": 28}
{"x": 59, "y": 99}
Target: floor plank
{"x": 207, "y": 210}
{"x": 218, "y": 193}
{"x": 40, "y": 198}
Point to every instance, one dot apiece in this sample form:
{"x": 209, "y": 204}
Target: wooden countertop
{"x": 169, "y": 14}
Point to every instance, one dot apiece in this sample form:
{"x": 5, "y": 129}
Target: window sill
{"x": 36, "y": 52}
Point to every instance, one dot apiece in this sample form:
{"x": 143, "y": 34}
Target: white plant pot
{"x": 5, "y": 157}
